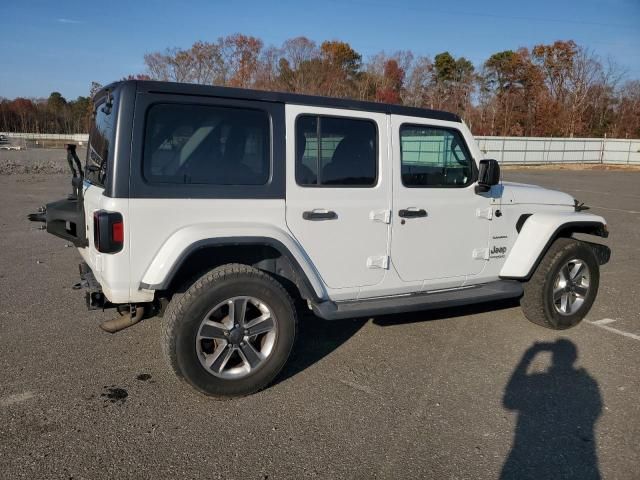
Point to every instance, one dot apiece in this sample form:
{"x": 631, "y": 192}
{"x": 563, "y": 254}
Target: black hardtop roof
{"x": 282, "y": 97}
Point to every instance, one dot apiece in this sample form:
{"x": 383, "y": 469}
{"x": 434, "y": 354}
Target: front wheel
{"x": 231, "y": 332}
{"x": 564, "y": 286}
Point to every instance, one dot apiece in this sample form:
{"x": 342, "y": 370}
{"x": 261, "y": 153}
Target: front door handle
{"x": 412, "y": 213}
{"x": 317, "y": 214}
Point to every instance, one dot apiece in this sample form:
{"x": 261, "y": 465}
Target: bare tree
{"x": 207, "y": 66}
{"x": 419, "y": 78}
{"x": 297, "y": 56}
{"x": 240, "y": 54}
{"x": 586, "y": 72}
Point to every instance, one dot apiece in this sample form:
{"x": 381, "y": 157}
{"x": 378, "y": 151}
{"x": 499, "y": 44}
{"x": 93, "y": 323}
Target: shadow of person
{"x": 557, "y": 411}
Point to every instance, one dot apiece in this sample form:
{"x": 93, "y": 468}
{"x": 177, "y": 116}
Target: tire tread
{"x": 533, "y": 300}
{"x": 180, "y": 301}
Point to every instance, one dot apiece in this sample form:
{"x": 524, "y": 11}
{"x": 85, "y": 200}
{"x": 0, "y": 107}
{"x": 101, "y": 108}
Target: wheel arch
{"x": 538, "y": 232}
{"x": 265, "y": 253}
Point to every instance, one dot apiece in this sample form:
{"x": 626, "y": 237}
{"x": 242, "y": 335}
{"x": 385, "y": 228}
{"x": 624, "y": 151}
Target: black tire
{"x": 186, "y": 311}
{"x": 537, "y": 302}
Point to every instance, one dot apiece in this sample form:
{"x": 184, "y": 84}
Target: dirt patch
{"x": 115, "y": 395}
{"x": 36, "y": 161}
{"x": 8, "y": 167}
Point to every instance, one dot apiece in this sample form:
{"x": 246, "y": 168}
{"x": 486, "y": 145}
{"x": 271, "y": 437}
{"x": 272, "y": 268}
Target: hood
{"x": 533, "y": 194}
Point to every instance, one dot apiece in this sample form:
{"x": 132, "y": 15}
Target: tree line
{"x": 54, "y": 114}
{"x": 558, "y": 89}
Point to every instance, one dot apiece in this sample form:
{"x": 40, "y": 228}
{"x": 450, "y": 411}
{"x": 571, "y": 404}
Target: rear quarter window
{"x": 204, "y": 144}
{"x": 101, "y": 140}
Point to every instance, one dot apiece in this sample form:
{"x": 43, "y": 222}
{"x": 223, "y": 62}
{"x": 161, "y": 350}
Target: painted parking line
{"x": 604, "y": 321}
{"x": 16, "y": 398}
{"x": 614, "y": 209}
{"x": 605, "y": 324}
{"x": 607, "y": 193}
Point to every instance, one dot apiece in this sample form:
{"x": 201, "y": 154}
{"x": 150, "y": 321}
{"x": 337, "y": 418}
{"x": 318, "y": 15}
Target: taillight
{"x": 108, "y": 231}
{"x": 117, "y": 232}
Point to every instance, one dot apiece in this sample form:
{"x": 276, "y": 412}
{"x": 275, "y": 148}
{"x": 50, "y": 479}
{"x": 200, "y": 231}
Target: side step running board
{"x": 487, "y": 292}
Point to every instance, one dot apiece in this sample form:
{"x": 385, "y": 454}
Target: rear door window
{"x": 335, "y": 151}
{"x": 202, "y": 144}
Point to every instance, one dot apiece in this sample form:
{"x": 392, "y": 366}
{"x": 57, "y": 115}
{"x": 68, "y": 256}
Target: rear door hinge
{"x": 481, "y": 253}
{"x": 380, "y": 261}
{"x": 485, "y": 213}
{"x": 383, "y": 216}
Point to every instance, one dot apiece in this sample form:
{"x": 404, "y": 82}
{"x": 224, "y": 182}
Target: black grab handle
{"x": 319, "y": 215}
{"x": 405, "y": 213}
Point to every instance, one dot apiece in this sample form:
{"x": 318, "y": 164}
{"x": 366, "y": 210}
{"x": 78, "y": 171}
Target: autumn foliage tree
{"x": 390, "y": 89}
{"x": 556, "y": 89}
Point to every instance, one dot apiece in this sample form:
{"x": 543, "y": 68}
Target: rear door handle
{"x": 318, "y": 214}
{"x": 412, "y": 213}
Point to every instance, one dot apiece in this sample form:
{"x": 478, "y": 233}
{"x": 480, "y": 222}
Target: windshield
{"x": 101, "y": 138}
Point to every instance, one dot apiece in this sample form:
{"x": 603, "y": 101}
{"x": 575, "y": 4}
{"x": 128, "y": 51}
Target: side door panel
{"x": 342, "y": 228}
{"x": 448, "y": 241}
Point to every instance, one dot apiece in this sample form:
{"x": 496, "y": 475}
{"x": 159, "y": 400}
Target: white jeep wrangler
{"x": 232, "y": 203}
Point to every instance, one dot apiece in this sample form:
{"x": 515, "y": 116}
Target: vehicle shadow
{"x": 557, "y": 411}
{"x": 444, "y": 313}
{"x": 318, "y": 338}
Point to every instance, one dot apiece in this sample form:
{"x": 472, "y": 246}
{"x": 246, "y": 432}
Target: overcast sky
{"x": 64, "y": 45}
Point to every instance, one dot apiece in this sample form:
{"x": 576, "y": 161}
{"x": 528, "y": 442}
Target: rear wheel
{"x": 231, "y": 332}
{"x": 564, "y": 286}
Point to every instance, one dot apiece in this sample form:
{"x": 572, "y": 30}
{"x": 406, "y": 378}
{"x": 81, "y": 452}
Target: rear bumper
{"x": 111, "y": 272}
{"x": 94, "y": 296}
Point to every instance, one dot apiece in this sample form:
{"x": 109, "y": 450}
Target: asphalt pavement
{"x": 476, "y": 392}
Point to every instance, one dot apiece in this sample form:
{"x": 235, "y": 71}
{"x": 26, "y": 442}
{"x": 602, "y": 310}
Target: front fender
{"x": 185, "y": 240}
{"x": 538, "y": 233}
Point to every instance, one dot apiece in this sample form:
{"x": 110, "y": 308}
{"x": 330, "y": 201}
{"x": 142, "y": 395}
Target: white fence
{"x": 537, "y": 150}
{"x": 72, "y": 137}
{"x": 507, "y": 150}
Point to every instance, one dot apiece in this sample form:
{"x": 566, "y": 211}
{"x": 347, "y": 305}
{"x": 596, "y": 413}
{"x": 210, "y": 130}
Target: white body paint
{"x": 112, "y": 271}
{"x": 535, "y": 234}
{"x": 359, "y": 255}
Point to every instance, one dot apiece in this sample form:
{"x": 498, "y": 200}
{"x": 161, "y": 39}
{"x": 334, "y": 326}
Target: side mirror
{"x": 489, "y": 175}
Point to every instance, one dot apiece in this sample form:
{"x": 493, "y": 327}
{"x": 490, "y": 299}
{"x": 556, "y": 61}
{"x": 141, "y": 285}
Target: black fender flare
{"x": 301, "y": 279}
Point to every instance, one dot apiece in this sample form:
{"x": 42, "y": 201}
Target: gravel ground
{"x": 36, "y": 161}
{"x": 425, "y": 395}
